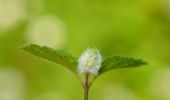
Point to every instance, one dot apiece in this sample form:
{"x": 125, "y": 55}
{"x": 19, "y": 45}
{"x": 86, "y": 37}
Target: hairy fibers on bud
{"x": 90, "y": 61}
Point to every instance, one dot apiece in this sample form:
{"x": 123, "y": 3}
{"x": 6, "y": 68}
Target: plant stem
{"x": 86, "y": 87}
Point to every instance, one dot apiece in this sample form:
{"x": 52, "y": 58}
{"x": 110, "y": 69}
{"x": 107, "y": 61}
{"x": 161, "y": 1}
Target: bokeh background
{"x": 137, "y": 28}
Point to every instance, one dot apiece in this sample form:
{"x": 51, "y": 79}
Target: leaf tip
{"x": 26, "y": 46}
{"x": 23, "y": 46}
{"x": 145, "y": 62}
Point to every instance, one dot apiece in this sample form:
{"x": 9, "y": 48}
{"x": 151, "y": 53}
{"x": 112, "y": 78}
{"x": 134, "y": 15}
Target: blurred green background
{"x": 137, "y": 28}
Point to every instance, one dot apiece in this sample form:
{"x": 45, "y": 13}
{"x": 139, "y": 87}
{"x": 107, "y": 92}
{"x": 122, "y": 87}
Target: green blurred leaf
{"x": 117, "y": 62}
{"x": 57, "y": 56}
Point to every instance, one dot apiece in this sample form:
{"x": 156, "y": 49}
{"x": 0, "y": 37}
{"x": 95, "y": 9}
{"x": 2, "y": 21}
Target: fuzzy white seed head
{"x": 90, "y": 61}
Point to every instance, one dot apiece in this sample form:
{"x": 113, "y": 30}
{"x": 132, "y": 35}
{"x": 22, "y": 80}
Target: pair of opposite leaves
{"x": 63, "y": 58}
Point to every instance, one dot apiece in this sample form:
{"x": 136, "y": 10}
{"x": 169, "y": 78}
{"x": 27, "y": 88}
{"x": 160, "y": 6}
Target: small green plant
{"x": 88, "y": 67}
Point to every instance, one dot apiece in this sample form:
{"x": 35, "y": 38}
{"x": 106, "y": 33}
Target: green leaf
{"x": 57, "y": 56}
{"x": 117, "y": 62}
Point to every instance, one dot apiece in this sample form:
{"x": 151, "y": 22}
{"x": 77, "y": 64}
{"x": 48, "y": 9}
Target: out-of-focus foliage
{"x": 139, "y": 28}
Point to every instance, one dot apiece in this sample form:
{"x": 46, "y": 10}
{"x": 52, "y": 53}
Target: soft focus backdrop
{"x": 137, "y": 28}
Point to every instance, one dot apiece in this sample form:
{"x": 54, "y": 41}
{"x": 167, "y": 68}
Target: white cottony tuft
{"x": 90, "y": 61}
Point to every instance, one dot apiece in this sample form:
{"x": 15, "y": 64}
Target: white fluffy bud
{"x": 90, "y": 61}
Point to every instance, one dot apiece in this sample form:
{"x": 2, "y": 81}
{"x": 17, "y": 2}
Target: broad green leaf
{"x": 117, "y": 62}
{"x": 57, "y": 56}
